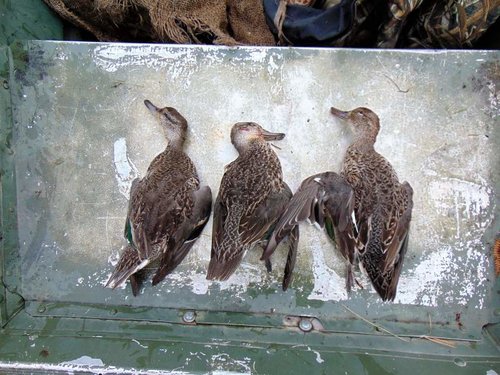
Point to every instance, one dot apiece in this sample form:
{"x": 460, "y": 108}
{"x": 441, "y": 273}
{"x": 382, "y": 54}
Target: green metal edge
{"x": 355, "y": 325}
{"x": 9, "y": 261}
{"x": 28, "y": 19}
{"x": 201, "y": 348}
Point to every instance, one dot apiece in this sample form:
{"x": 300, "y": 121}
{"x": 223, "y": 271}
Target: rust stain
{"x": 458, "y": 317}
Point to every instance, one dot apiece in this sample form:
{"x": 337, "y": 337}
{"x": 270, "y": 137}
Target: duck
{"x": 382, "y": 205}
{"x": 324, "y": 199}
{"x": 365, "y": 210}
{"x": 167, "y": 211}
{"x": 251, "y": 198}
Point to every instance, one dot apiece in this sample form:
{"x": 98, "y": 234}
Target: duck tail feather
{"x": 128, "y": 264}
{"x": 221, "y": 270}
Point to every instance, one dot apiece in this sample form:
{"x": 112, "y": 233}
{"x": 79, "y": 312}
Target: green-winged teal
{"x": 382, "y": 205}
{"x": 326, "y": 199}
{"x": 365, "y": 210}
{"x": 251, "y": 198}
{"x": 167, "y": 208}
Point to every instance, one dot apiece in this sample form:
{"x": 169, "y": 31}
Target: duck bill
{"x": 338, "y": 113}
{"x": 269, "y": 136}
{"x": 152, "y": 108}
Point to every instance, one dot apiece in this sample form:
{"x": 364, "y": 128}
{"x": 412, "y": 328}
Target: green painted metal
{"x": 28, "y": 19}
{"x": 55, "y": 313}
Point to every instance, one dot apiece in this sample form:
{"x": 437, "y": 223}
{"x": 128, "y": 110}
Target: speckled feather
{"x": 251, "y": 198}
{"x": 382, "y": 204}
{"x": 166, "y": 207}
{"x": 325, "y": 199}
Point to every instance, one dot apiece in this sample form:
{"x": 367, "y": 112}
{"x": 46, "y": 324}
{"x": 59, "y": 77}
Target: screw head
{"x": 460, "y": 362}
{"x": 189, "y": 317}
{"x": 305, "y": 325}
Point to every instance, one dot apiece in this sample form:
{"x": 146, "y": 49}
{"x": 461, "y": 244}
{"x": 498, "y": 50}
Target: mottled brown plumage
{"x": 251, "y": 198}
{"x": 382, "y": 209}
{"x": 167, "y": 208}
{"x": 326, "y": 199}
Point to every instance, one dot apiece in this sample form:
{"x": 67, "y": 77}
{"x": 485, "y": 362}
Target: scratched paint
{"x": 126, "y": 172}
{"x": 83, "y": 364}
{"x": 74, "y": 176}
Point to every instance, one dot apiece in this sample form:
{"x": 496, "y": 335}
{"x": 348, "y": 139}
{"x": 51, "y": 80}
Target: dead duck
{"x": 167, "y": 208}
{"x": 252, "y": 196}
{"x": 365, "y": 209}
{"x": 327, "y": 200}
{"x": 382, "y": 205}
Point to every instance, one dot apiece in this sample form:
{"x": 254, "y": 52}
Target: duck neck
{"x": 176, "y": 142}
{"x": 364, "y": 142}
{"x": 251, "y": 147}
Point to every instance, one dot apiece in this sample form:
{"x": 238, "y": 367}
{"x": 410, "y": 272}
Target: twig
{"x": 272, "y": 144}
{"x": 373, "y": 324}
{"x": 436, "y": 340}
{"x": 395, "y": 84}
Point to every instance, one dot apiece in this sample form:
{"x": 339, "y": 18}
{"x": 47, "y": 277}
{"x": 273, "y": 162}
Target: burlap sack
{"x": 228, "y": 22}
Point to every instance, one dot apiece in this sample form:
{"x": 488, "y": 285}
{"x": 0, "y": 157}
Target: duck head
{"x": 363, "y": 121}
{"x": 243, "y": 134}
{"x": 173, "y": 123}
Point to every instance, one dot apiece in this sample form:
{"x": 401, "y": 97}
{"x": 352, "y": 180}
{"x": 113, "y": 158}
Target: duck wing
{"x": 320, "y": 198}
{"x": 130, "y": 260}
{"x": 227, "y": 251}
{"x": 255, "y": 224}
{"x": 187, "y": 234}
{"x": 291, "y": 259}
{"x": 236, "y": 229}
{"x": 384, "y": 254}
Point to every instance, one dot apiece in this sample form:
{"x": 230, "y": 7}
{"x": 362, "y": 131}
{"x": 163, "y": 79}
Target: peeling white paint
{"x": 112, "y": 57}
{"x": 85, "y": 361}
{"x": 126, "y": 172}
{"x": 328, "y": 285}
{"x": 223, "y": 364}
{"x": 70, "y": 368}
{"x": 138, "y": 343}
{"x": 238, "y": 284}
{"x": 318, "y": 355}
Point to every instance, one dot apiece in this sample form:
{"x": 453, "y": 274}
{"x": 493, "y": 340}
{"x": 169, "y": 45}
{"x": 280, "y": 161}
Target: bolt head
{"x": 305, "y": 325}
{"x": 189, "y": 317}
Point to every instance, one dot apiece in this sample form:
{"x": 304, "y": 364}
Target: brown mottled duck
{"x": 252, "y": 196}
{"x": 365, "y": 209}
{"x": 167, "y": 209}
{"x": 382, "y": 205}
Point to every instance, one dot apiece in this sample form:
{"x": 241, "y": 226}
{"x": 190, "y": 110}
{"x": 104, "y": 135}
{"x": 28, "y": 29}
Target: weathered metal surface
{"x": 82, "y": 134}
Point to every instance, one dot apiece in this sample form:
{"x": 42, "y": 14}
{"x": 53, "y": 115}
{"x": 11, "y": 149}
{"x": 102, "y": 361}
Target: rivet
{"x": 189, "y": 317}
{"x": 305, "y": 325}
{"x": 113, "y": 312}
{"x": 496, "y": 312}
{"x": 41, "y": 309}
{"x": 460, "y": 362}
